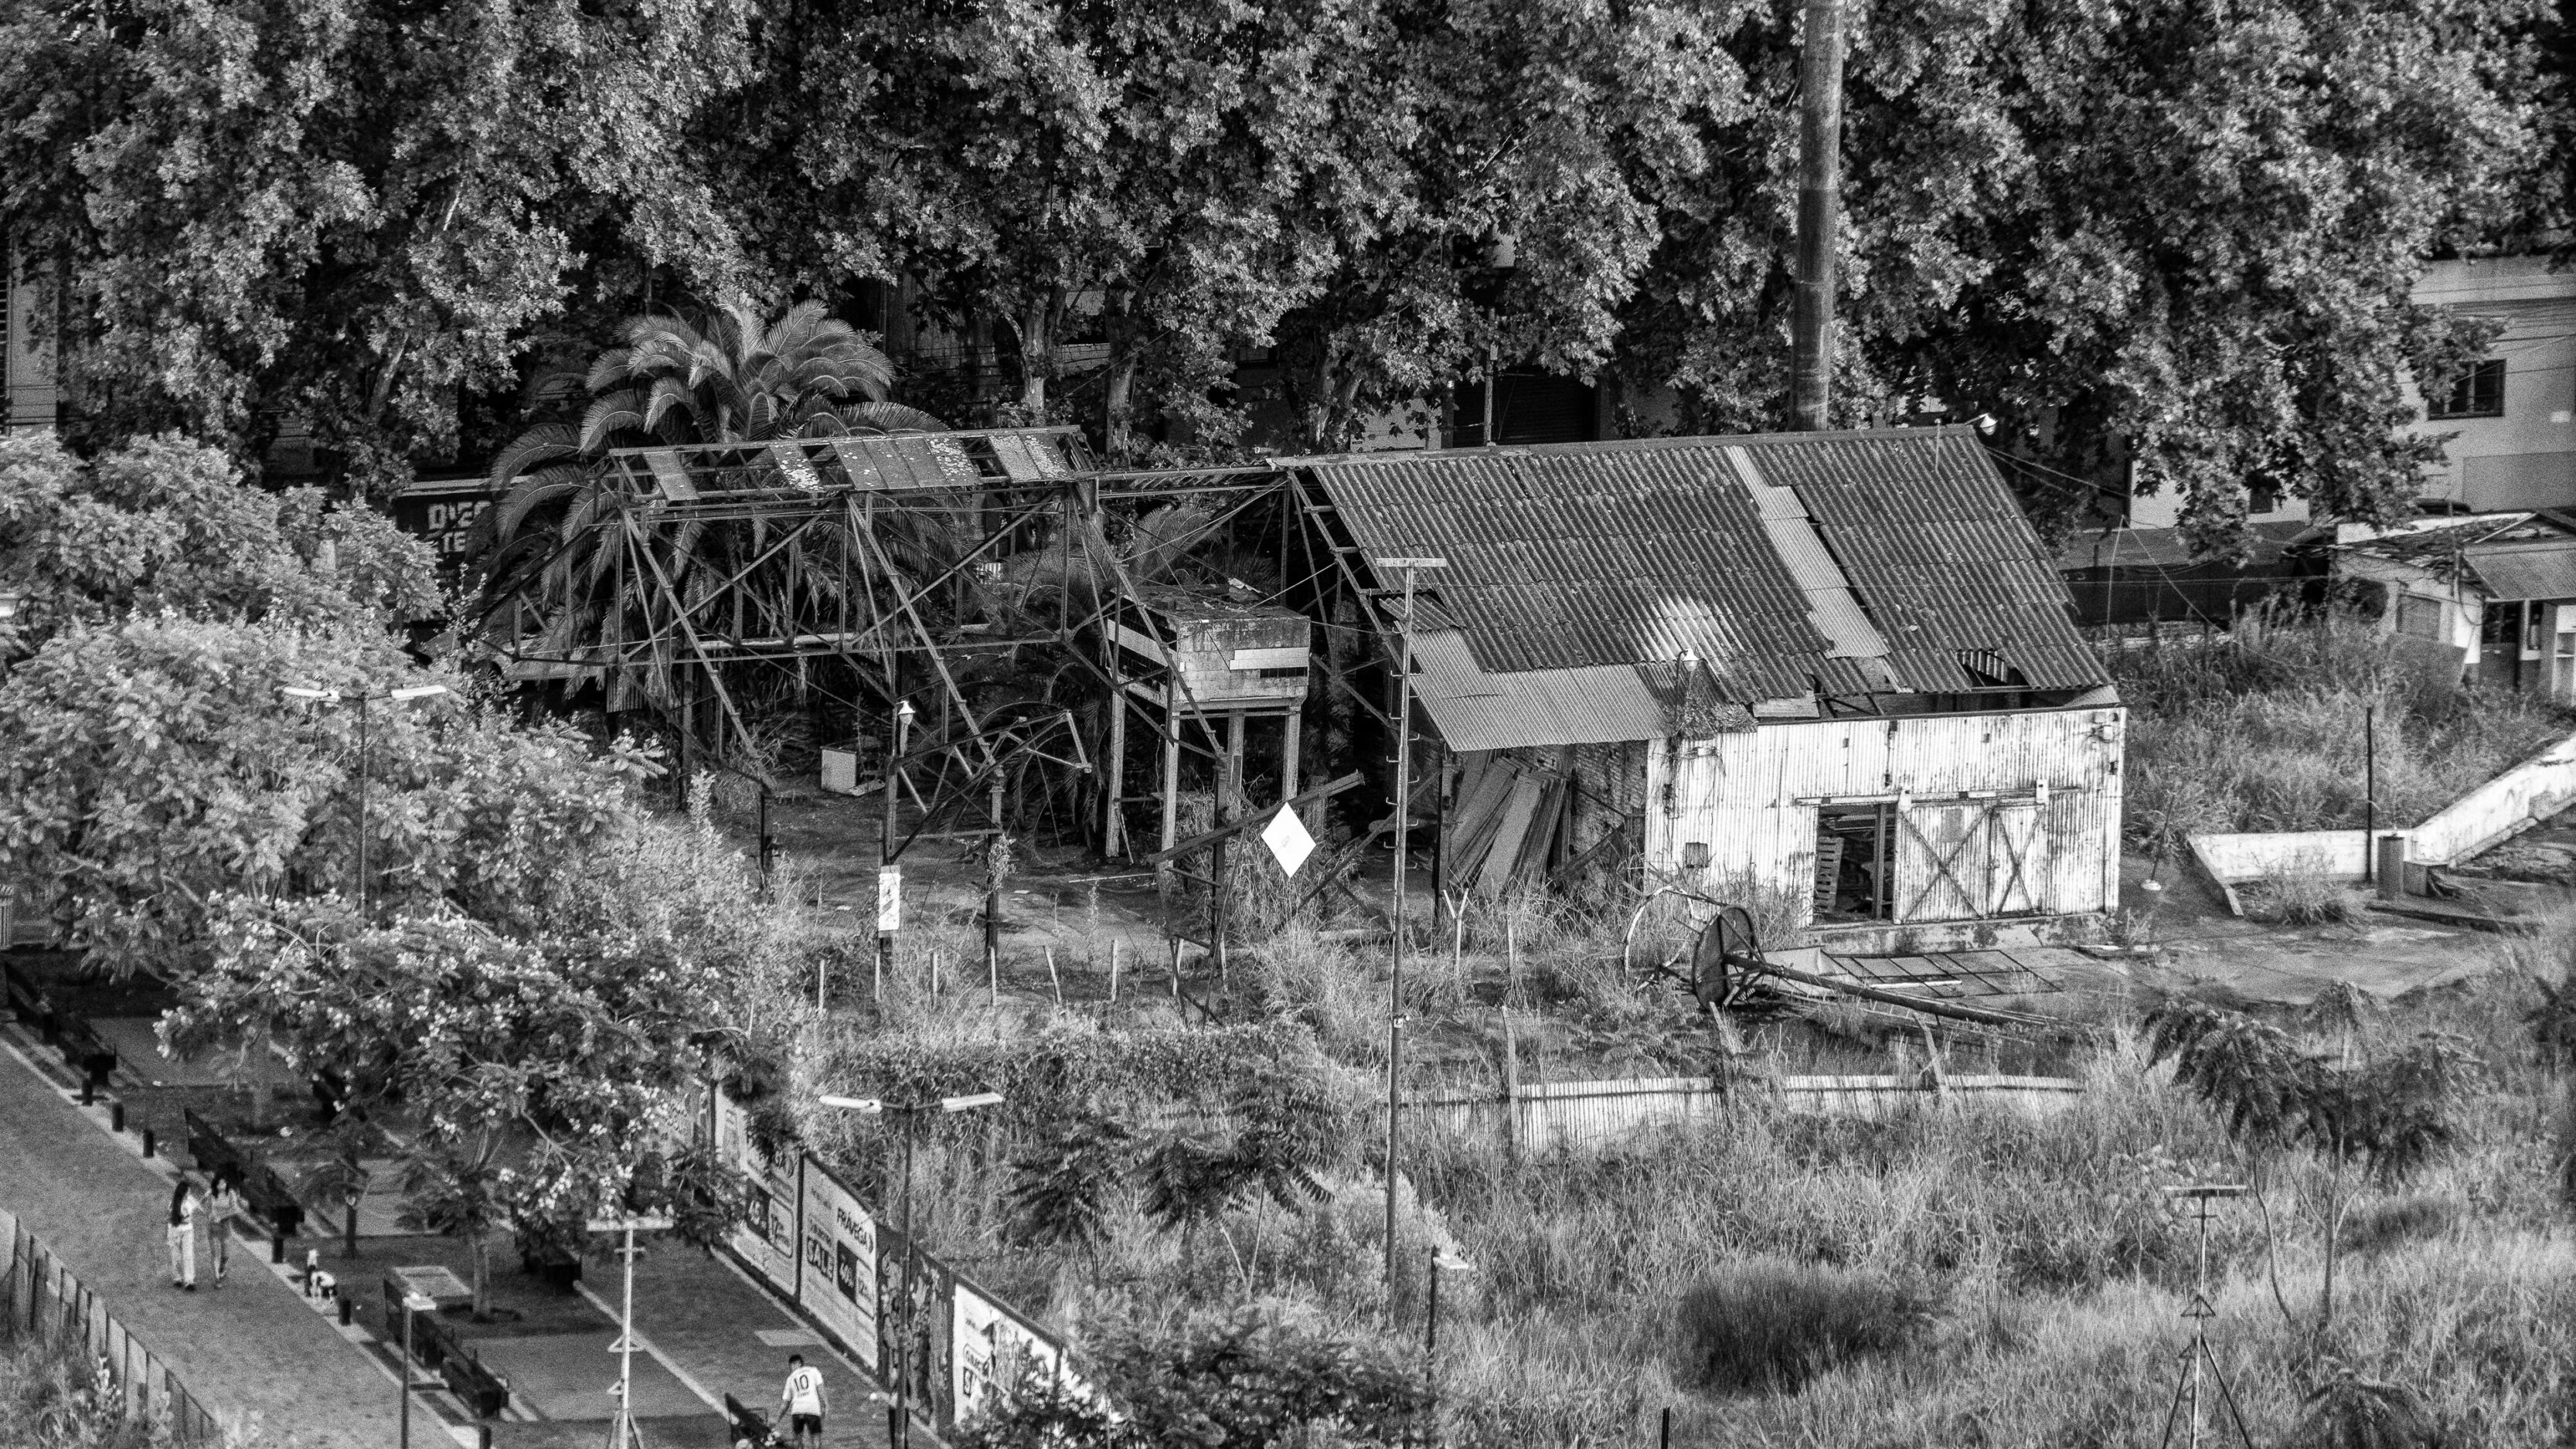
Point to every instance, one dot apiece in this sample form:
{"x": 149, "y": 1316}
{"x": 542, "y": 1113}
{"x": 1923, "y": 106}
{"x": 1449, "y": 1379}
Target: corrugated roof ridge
{"x": 1620, "y": 445}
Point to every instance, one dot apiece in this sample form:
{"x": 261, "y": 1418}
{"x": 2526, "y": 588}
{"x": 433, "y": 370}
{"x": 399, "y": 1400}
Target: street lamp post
{"x": 899, "y": 1432}
{"x": 414, "y": 1303}
{"x": 392, "y": 696}
{"x": 622, "y": 1432}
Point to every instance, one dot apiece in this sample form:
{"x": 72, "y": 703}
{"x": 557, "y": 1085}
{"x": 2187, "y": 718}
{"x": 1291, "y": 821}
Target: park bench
{"x": 749, "y": 1427}
{"x": 27, "y": 1000}
{"x": 484, "y": 1393}
{"x": 267, "y": 1194}
{"x": 84, "y": 1051}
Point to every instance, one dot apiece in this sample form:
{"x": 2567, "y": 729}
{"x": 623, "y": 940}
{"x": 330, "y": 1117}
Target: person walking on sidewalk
{"x": 801, "y": 1401}
{"x": 183, "y": 1235}
{"x": 221, "y": 1203}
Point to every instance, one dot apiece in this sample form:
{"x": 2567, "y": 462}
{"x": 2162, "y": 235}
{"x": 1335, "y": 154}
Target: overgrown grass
{"x": 2300, "y": 893}
{"x": 1773, "y": 1323}
{"x": 52, "y": 1397}
{"x": 2263, "y": 730}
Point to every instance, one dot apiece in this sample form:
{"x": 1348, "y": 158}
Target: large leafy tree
{"x": 164, "y": 525}
{"x": 2183, "y": 233}
{"x": 347, "y": 211}
{"x": 544, "y": 1069}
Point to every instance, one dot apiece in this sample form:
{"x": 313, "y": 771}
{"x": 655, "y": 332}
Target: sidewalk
{"x": 250, "y": 1350}
{"x": 722, "y": 1335}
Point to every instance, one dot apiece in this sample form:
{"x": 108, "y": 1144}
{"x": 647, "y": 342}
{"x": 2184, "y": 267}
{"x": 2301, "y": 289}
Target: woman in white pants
{"x": 183, "y": 1235}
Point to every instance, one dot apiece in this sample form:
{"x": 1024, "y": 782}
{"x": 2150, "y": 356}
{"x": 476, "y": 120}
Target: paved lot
{"x": 250, "y": 1350}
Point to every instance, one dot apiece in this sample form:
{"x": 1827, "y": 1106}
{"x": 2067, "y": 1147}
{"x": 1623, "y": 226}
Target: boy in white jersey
{"x": 801, "y": 1401}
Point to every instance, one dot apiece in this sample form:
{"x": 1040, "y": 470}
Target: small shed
{"x": 1835, "y": 671}
{"x": 2497, "y": 589}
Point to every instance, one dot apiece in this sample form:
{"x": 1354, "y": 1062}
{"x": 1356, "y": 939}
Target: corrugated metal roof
{"x": 1583, "y": 556}
{"x": 1595, "y": 705}
{"x": 2525, "y": 570}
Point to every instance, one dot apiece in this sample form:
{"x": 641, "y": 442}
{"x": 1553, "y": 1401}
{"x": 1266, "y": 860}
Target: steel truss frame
{"x": 891, "y": 558}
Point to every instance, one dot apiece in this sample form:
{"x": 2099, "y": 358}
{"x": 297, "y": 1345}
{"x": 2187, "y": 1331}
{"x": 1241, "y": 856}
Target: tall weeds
{"x": 2264, "y": 730}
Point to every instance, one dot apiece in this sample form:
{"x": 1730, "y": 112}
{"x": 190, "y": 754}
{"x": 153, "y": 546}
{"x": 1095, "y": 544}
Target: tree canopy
{"x": 2142, "y": 229}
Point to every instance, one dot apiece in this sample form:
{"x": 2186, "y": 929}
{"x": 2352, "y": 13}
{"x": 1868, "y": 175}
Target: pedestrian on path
{"x": 183, "y": 1235}
{"x": 224, "y": 1201}
{"x": 801, "y": 1401}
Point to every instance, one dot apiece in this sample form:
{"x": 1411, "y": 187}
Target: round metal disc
{"x": 1726, "y": 945}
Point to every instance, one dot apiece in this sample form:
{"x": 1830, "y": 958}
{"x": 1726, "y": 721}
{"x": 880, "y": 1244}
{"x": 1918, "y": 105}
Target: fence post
{"x": 1511, "y": 1091}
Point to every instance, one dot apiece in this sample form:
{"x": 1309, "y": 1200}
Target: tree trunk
{"x": 480, "y": 1242}
{"x": 1116, "y": 426}
{"x": 1037, "y": 351}
{"x": 349, "y": 1222}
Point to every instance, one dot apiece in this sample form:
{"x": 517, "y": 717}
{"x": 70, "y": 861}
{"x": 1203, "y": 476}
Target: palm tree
{"x": 721, "y": 375}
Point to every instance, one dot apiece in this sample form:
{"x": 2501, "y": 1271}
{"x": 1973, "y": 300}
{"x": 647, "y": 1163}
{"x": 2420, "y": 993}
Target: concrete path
{"x": 723, "y": 1335}
{"x": 251, "y": 1350}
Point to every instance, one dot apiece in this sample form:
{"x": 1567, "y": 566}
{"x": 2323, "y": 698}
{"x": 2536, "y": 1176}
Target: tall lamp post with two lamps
{"x": 899, "y": 1414}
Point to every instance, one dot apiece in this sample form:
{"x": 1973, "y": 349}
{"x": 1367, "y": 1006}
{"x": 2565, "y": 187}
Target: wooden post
{"x": 1114, "y": 816}
{"x": 1288, "y": 761}
{"x": 1053, "y": 980}
{"x": 1511, "y": 1091}
{"x": 1113, "y": 971}
{"x": 1171, "y": 768}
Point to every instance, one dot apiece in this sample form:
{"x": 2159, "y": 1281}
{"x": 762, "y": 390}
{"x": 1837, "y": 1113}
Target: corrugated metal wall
{"x": 1751, "y": 798}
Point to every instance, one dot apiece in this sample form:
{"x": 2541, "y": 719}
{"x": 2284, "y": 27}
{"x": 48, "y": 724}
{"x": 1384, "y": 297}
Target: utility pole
{"x": 1820, "y": 166}
{"x": 1410, "y": 567}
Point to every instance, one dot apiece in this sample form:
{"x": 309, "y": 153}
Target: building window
{"x": 2500, "y": 628}
{"x": 2260, "y": 499}
{"x": 1855, "y": 848}
{"x": 2419, "y": 617}
{"x": 2478, "y": 395}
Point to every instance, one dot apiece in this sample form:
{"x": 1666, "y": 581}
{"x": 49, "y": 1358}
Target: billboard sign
{"x": 766, "y": 1236}
{"x": 993, "y": 1352}
{"x": 839, "y": 1282}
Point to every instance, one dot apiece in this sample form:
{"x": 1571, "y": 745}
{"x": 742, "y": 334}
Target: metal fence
{"x": 42, "y": 1298}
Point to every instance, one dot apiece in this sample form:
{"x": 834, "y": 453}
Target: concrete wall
{"x": 1752, "y": 798}
{"x": 1564, "y": 1116}
{"x": 2527, "y": 457}
{"x": 2494, "y": 812}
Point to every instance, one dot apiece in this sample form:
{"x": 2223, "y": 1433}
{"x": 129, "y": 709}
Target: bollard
{"x": 482, "y": 1436}
{"x": 277, "y": 1247}
{"x": 89, "y": 1087}
{"x": 348, "y": 1309}
{"x": 116, "y": 1116}
{"x": 147, "y": 1142}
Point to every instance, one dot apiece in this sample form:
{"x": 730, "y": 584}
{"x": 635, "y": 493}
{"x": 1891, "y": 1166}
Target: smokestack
{"x": 1820, "y": 168}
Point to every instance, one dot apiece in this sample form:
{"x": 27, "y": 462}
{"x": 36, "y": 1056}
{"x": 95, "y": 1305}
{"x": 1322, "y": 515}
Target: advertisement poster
{"x": 839, "y": 1284}
{"x": 993, "y": 1353}
{"x": 766, "y": 1237}
{"x": 929, "y": 1324}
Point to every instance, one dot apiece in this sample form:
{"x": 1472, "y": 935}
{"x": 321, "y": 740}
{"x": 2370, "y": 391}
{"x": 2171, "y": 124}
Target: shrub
{"x": 2380, "y": 1226}
{"x": 2300, "y": 893}
{"x": 1769, "y": 1323}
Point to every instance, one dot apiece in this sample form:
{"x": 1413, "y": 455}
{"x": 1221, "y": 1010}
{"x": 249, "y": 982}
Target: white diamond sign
{"x": 1287, "y": 838}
